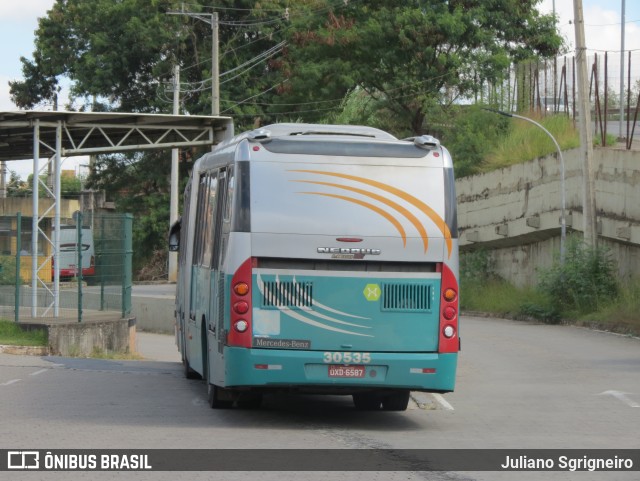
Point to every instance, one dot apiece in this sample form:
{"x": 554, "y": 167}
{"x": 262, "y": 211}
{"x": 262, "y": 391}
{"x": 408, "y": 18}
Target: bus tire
{"x": 213, "y": 395}
{"x": 367, "y": 401}
{"x": 189, "y": 373}
{"x": 396, "y": 401}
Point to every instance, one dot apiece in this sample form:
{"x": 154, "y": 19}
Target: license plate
{"x": 346, "y": 371}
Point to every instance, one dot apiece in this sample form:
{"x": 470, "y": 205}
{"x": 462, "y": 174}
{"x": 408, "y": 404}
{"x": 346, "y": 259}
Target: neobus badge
{"x": 346, "y": 250}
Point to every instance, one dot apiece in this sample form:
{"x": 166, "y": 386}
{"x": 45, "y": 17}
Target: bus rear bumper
{"x": 291, "y": 369}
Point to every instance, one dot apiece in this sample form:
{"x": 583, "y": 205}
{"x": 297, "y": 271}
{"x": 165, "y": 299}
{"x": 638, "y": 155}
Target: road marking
{"x": 442, "y": 401}
{"x": 621, "y": 396}
{"x": 38, "y": 372}
{"x": 13, "y": 381}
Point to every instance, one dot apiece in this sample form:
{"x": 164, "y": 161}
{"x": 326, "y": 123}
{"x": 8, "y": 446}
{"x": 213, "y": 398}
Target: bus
{"x": 319, "y": 259}
{"x": 68, "y": 256}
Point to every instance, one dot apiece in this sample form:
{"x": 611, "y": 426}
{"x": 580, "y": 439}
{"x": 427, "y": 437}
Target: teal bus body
{"x": 320, "y": 267}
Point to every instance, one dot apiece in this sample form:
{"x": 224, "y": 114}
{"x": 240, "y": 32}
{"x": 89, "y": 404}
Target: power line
{"x": 256, "y": 95}
{"x": 263, "y": 56}
{"x": 608, "y": 24}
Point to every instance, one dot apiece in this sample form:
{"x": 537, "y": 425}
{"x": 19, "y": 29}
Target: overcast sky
{"x": 18, "y": 20}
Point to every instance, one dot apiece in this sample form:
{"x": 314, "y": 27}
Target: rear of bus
{"x": 351, "y": 285}
{"x": 68, "y": 255}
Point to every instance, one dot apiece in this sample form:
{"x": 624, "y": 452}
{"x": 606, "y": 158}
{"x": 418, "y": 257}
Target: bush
{"x": 7, "y": 270}
{"x": 584, "y": 283}
{"x": 475, "y": 134}
{"x": 476, "y": 266}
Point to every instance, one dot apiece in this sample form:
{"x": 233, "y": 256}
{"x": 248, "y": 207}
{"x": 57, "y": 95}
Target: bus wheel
{"x": 396, "y": 401}
{"x": 367, "y": 401}
{"x": 250, "y": 400}
{"x": 214, "y": 394}
{"x": 188, "y": 372}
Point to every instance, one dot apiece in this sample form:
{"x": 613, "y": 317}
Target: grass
{"x": 12, "y": 334}
{"x": 622, "y": 315}
{"x": 526, "y": 141}
{"x": 497, "y": 297}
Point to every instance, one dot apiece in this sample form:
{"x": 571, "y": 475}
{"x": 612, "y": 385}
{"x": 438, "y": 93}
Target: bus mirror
{"x": 174, "y": 236}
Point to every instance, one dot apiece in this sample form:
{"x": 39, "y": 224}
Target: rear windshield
{"x": 346, "y": 148}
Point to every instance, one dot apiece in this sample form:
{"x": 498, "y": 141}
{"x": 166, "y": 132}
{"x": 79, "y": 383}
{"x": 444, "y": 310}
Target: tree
{"x": 409, "y": 55}
{"x": 16, "y": 187}
{"x": 120, "y": 55}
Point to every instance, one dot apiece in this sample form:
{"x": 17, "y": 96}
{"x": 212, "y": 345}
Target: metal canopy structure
{"x": 53, "y": 135}
{"x": 87, "y": 133}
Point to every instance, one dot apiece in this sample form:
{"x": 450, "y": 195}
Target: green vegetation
{"x": 70, "y": 186}
{"x": 498, "y": 297}
{"x": 484, "y": 141}
{"x": 474, "y": 137}
{"x": 7, "y": 270}
{"x": 621, "y": 315}
{"x": 483, "y": 290}
{"x": 526, "y": 141}
{"x": 583, "y": 291}
{"x": 13, "y": 334}
{"x": 586, "y": 282}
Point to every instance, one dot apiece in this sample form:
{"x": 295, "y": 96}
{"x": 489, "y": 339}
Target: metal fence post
{"x": 127, "y": 267}
{"x": 79, "y": 263}
{"x": 100, "y": 264}
{"x": 18, "y": 249}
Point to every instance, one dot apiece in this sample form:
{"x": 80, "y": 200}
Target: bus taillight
{"x": 448, "y": 337}
{"x": 240, "y": 333}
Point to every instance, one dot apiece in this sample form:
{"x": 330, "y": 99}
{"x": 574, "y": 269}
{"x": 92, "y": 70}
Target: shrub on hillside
{"x": 584, "y": 283}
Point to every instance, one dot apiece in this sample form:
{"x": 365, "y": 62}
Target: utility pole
{"x": 215, "y": 67}
{"x": 622, "y": 22}
{"x": 212, "y": 19}
{"x": 584, "y": 120}
{"x": 3, "y": 182}
{"x": 173, "y": 207}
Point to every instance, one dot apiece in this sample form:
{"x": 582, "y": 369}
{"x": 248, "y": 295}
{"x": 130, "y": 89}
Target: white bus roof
{"x": 293, "y": 129}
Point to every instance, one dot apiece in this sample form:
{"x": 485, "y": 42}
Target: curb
{"x": 24, "y": 350}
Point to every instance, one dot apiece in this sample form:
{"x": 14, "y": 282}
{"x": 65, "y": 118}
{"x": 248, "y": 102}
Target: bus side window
{"x": 219, "y": 229}
{"x": 201, "y": 212}
{"x": 208, "y": 221}
{"x": 228, "y": 202}
{"x": 184, "y": 232}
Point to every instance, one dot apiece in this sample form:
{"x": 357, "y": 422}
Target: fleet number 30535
{"x": 347, "y": 357}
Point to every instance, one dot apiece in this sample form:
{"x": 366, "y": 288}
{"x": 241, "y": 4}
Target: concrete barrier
{"x": 515, "y": 212}
{"x": 154, "y": 314}
{"x": 83, "y": 338}
{"x": 72, "y": 338}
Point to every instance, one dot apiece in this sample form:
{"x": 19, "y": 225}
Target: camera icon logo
{"x": 23, "y": 460}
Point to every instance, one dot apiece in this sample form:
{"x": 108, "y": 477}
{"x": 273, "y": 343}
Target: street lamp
{"x": 563, "y": 222}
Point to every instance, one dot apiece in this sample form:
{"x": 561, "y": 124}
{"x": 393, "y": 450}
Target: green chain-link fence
{"x": 103, "y": 247}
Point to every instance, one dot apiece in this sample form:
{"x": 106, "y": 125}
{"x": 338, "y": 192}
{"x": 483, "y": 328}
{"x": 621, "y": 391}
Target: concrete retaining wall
{"x": 82, "y": 338}
{"x": 515, "y": 212}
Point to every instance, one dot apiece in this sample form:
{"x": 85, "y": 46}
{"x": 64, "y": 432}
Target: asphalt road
{"x": 520, "y": 385}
